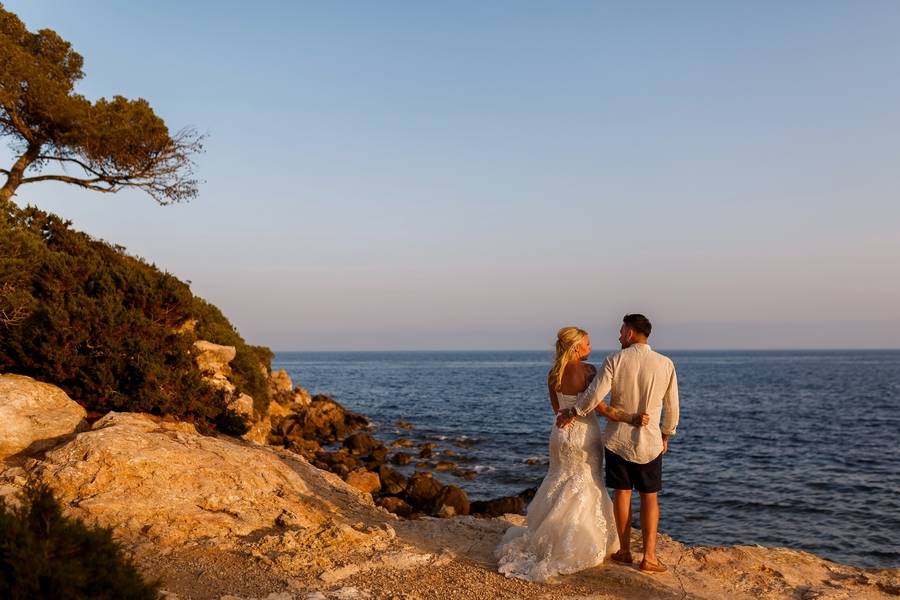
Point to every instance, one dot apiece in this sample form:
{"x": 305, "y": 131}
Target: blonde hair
{"x": 567, "y": 339}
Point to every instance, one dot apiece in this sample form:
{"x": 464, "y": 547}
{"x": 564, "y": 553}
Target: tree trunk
{"x": 17, "y": 173}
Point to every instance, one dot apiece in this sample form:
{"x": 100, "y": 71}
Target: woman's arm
{"x": 554, "y": 401}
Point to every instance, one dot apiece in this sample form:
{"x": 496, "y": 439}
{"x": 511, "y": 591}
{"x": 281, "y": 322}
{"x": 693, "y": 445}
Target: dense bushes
{"x": 46, "y": 555}
{"x": 107, "y": 327}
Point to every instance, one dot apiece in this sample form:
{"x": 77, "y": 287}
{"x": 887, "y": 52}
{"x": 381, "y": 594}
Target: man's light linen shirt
{"x": 640, "y": 380}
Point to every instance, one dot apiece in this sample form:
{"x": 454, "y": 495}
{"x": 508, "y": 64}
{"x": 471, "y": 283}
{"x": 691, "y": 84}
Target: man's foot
{"x": 653, "y": 567}
{"x": 622, "y": 556}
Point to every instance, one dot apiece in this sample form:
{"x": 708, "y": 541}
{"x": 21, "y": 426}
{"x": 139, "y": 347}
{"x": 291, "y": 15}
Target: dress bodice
{"x": 566, "y": 400}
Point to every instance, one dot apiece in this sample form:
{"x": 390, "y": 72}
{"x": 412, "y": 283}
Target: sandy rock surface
{"x": 215, "y": 517}
{"x": 33, "y": 414}
{"x": 165, "y": 483}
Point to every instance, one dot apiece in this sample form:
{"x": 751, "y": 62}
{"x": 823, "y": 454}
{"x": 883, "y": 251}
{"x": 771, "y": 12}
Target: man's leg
{"x": 649, "y": 524}
{"x": 622, "y": 509}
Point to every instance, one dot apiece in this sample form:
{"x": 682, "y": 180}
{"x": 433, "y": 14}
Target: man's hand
{"x": 639, "y": 419}
{"x": 665, "y": 444}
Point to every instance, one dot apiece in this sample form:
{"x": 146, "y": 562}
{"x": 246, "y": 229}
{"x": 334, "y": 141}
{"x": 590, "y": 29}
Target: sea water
{"x": 798, "y": 449}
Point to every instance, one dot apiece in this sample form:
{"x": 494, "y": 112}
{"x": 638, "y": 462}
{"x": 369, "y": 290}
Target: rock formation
{"x": 218, "y": 517}
{"x": 34, "y": 414}
{"x": 213, "y": 361}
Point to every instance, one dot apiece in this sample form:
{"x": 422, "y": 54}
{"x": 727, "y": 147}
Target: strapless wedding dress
{"x": 570, "y": 524}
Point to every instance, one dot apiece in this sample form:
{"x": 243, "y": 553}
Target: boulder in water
{"x": 499, "y": 506}
{"x": 451, "y": 502}
{"x": 392, "y": 482}
{"x": 422, "y": 489}
{"x": 361, "y": 443}
{"x": 401, "y": 458}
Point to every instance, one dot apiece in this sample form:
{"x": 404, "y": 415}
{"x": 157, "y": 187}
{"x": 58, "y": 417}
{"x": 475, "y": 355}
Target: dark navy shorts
{"x": 625, "y": 475}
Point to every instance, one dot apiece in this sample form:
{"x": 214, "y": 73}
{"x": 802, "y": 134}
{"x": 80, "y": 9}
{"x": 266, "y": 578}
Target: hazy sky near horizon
{"x": 475, "y": 175}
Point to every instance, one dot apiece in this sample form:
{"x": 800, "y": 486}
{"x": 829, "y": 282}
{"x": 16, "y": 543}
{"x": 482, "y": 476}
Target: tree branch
{"x": 11, "y": 313}
{"x": 90, "y": 184}
{"x": 71, "y": 160}
{"x": 16, "y": 122}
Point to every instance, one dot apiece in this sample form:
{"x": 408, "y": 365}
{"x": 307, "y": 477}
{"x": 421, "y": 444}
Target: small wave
{"x": 537, "y": 460}
{"x": 465, "y": 441}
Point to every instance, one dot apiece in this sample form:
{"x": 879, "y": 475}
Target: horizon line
{"x": 550, "y": 350}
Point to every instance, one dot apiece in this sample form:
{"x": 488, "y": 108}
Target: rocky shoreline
{"x": 307, "y": 506}
{"x": 334, "y": 439}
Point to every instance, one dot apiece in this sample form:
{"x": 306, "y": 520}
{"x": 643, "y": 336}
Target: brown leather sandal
{"x": 656, "y": 567}
{"x": 622, "y": 556}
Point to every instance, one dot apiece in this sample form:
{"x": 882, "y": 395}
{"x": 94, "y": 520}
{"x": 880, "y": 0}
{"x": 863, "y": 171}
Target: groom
{"x": 641, "y": 381}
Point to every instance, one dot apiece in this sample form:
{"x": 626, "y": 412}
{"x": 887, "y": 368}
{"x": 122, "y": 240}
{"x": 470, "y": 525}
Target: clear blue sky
{"x": 424, "y": 175}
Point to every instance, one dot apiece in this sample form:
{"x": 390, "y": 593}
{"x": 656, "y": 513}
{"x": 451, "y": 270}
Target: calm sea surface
{"x": 797, "y": 448}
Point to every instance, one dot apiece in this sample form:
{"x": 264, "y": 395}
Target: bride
{"x": 569, "y": 523}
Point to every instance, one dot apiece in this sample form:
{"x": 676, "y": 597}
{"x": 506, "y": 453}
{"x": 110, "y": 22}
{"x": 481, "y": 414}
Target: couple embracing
{"x": 572, "y": 524}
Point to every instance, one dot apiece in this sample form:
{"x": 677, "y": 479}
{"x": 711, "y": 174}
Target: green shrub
{"x": 44, "y": 554}
{"x": 232, "y": 423}
{"x": 104, "y": 326}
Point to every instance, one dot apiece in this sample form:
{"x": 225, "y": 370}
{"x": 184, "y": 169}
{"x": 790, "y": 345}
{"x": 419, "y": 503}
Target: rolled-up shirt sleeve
{"x": 596, "y": 391}
{"x": 670, "y": 407}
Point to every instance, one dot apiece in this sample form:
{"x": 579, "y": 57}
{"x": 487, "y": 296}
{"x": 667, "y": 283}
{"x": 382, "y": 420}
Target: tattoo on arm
{"x": 620, "y": 415}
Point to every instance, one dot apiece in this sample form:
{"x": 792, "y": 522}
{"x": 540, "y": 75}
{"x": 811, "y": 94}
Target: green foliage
{"x": 113, "y": 143}
{"x": 230, "y": 422}
{"x": 44, "y": 554}
{"x": 104, "y": 326}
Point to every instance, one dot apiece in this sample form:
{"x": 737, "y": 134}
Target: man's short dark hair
{"x": 639, "y": 323}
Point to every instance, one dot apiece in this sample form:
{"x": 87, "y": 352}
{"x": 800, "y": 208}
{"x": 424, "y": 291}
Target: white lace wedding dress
{"x": 570, "y": 524}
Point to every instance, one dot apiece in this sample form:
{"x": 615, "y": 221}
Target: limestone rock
{"x": 33, "y": 414}
{"x": 165, "y": 482}
{"x": 280, "y": 384}
{"x": 300, "y": 398}
{"x": 259, "y": 430}
{"x": 278, "y": 411}
{"x": 212, "y": 360}
{"x": 363, "y": 480}
{"x": 242, "y": 405}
